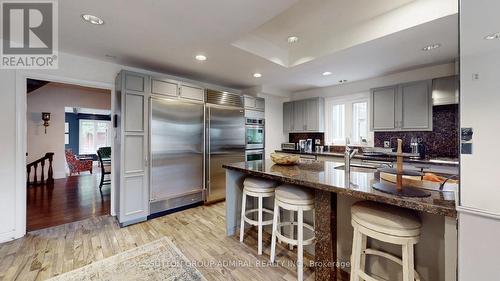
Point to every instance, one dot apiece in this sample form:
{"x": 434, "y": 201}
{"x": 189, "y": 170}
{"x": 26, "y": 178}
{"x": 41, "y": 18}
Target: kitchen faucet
{"x": 348, "y": 154}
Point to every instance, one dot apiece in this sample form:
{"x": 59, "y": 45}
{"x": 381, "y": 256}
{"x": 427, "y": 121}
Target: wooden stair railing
{"x": 50, "y": 174}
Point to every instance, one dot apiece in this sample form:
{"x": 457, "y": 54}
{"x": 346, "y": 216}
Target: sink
{"x": 359, "y": 168}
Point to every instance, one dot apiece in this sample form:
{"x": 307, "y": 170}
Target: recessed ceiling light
{"x": 92, "y": 19}
{"x": 431, "y": 47}
{"x": 257, "y": 75}
{"x": 326, "y": 73}
{"x": 342, "y": 81}
{"x": 200, "y": 57}
{"x": 493, "y": 36}
{"x": 292, "y": 39}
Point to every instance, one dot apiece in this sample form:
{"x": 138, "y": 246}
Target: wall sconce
{"x": 46, "y": 119}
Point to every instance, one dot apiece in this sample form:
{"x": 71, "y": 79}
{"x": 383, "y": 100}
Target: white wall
{"x": 274, "y": 123}
{"x": 364, "y": 86}
{"x": 52, "y": 98}
{"x": 479, "y": 217}
{"x": 72, "y": 70}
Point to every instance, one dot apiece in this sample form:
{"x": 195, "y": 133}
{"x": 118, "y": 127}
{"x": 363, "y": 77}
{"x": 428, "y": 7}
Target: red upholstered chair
{"x": 76, "y": 165}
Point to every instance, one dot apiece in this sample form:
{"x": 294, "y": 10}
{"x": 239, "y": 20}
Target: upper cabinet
{"x": 191, "y": 92}
{"x": 404, "y": 107}
{"x": 304, "y": 115}
{"x": 172, "y": 88}
{"x": 254, "y": 103}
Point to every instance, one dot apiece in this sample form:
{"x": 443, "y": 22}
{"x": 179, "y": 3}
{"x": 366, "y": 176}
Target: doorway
{"x": 67, "y": 179}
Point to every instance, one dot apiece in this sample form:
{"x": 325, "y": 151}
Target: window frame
{"x": 95, "y": 122}
{"x": 348, "y": 101}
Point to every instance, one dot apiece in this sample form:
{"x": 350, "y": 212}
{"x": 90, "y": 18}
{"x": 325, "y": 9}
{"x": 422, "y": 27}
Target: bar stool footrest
{"x": 254, "y": 222}
{"x": 294, "y": 242}
{"x": 370, "y": 251}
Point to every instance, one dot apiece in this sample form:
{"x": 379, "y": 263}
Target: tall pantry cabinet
{"x": 131, "y": 144}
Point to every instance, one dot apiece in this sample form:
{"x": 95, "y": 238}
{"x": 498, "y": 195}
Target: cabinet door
{"x": 260, "y": 103}
{"x": 249, "y": 102}
{"x": 164, "y": 87}
{"x": 192, "y": 92}
{"x": 133, "y": 174}
{"x": 383, "y": 108}
{"x": 312, "y": 115}
{"x": 299, "y": 115}
{"x": 416, "y": 106}
{"x": 288, "y": 117}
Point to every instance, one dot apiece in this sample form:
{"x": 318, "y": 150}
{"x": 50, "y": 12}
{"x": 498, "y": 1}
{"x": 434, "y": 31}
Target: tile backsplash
{"x": 295, "y": 137}
{"x": 441, "y": 142}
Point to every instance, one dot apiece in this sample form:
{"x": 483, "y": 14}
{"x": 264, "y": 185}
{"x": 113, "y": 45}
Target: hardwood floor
{"x": 71, "y": 199}
{"x": 199, "y": 233}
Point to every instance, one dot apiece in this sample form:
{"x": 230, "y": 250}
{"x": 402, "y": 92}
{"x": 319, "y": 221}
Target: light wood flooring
{"x": 199, "y": 233}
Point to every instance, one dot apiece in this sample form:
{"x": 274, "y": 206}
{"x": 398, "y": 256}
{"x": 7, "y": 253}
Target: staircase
{"x": 34, "y": 166}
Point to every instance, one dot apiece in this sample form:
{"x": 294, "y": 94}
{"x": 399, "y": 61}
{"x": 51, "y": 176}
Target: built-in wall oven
{"x": 255, "y": 154}
{"x": 254, "y": 130}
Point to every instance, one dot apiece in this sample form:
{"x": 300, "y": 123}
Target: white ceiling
{"x": 165, "y": 35}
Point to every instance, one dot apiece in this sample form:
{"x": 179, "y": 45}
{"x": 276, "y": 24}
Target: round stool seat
{"x": 294, "y": 195}
{"x": 258, "y": 184}
{"x": 386, "y": 219}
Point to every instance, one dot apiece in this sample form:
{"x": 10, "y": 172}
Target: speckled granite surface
{"x": 326, "y": 176}
{"x": 454, "y": 162}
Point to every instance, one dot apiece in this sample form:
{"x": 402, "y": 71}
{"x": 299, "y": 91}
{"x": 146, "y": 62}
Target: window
{"x": 359, "y": 122}
{"x": 338, "y": 123}
{"x": 66, "y": 133}
{"x": 347, "y": 117}
{"x": 94, "y": 134}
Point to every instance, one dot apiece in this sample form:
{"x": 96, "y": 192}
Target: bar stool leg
{"x": 291, "y": 228}
{"x": 408, "y": 263}
{"x": 362, "y": 251}
{"x": 356, "y": 255}
{"x": 259, "y": 251}
{"x": 300, "y": 247}
{"x": 275, "y": 228}
{"x": 243, "y": 206}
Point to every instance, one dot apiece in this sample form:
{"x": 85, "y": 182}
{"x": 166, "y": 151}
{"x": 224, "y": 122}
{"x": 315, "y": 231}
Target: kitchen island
{"x": 330, "y": 180}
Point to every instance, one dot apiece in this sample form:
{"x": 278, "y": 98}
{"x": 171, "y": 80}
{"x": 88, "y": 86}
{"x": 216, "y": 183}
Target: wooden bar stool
{"x": 386, "y": 223}
{"x": 258, "y": 188}
{"x": 293, "y": 198}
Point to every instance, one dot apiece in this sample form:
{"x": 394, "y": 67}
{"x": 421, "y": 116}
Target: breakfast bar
{"x": 332, "y": 184}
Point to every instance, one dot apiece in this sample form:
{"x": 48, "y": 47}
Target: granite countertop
{"x": 432, "y": 161}
{"x": 326, "y": 176}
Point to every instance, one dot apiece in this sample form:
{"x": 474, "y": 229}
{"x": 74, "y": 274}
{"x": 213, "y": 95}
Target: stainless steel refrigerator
{"x": 177, "y": 153}
{"x": 225, "y": 125}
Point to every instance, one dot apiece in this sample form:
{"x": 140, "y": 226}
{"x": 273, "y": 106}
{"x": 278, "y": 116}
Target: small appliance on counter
{"x": 417, "y": 147}
{"x": 309, "y": 146}
{"x": 290, "y": 146}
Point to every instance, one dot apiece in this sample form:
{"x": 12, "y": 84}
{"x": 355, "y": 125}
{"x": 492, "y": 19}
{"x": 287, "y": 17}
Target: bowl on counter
{"x": 285, "y": 159}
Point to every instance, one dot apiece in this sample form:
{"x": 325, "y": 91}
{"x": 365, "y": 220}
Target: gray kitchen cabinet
{"x": 404, "y": 107}
{"x": 299, "y": 115}
{"x": 383, "y": 108}
{"x": 254, "y": 103}
{"x": 288, "y": 116}
{"x": 416, "y": 106}
{"x": 192, "y": 92}
{"x": 131, "y": 144}
{"x": 304, "y": 115}
{"x": 315, "y": 115}
{"x": 164, "y": 87}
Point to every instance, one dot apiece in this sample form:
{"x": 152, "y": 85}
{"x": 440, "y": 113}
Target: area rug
{"x": 158, "y": 260}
